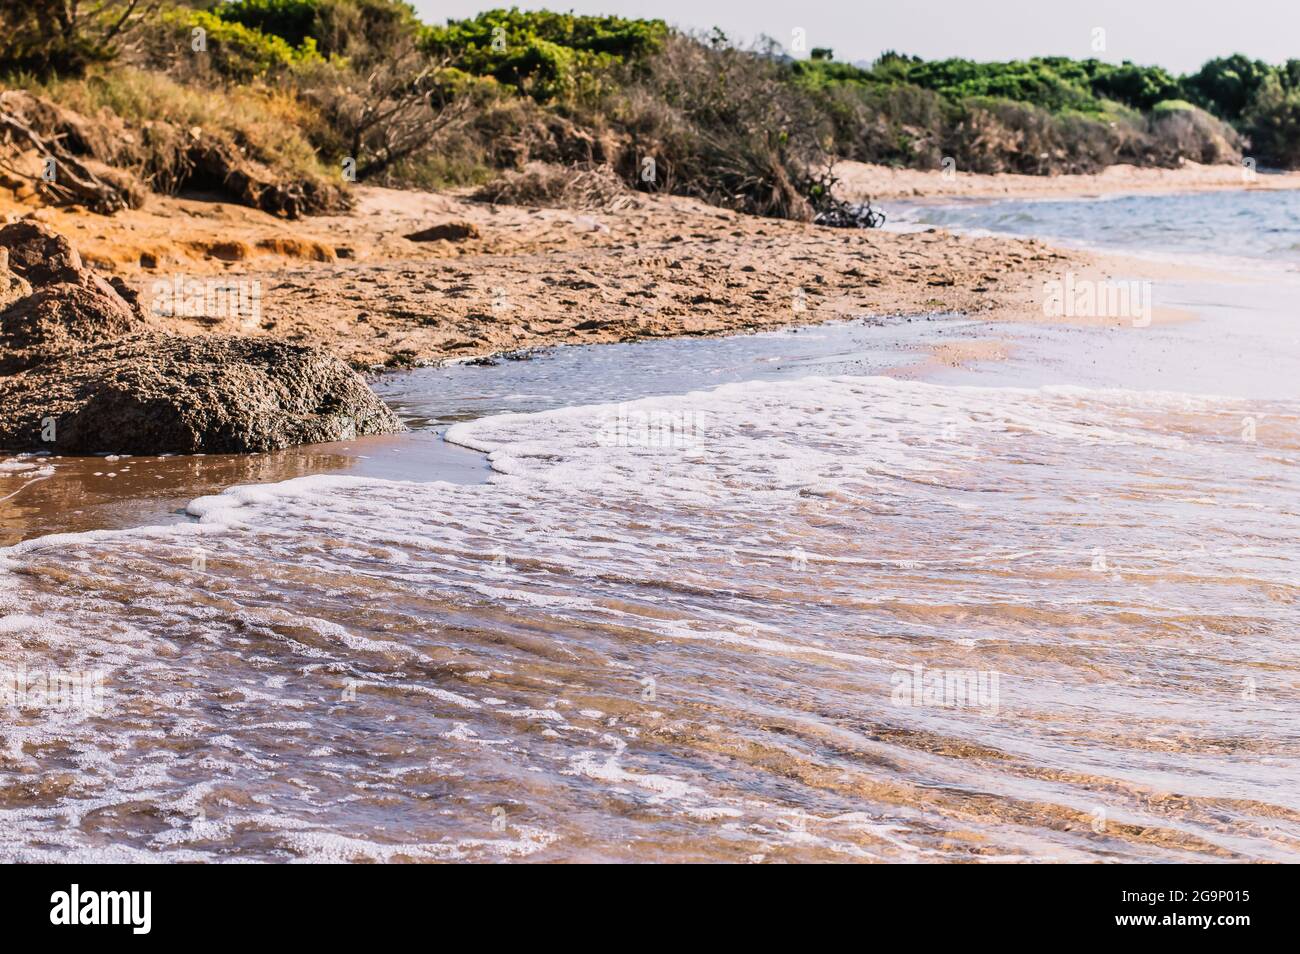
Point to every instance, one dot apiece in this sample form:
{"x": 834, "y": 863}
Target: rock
{"x": 446, "y": 232}
{"x": 44, "y": 257}
{"x": 151, "y": 393}
{"x": 12, "y": 285}
{"x": 71, "y": 306}
{"x": 41, "y": 255}
{"x": 226, "y": 250}
{"x": 81, "y": 373}
{"x": 58, "y": 317}
{"x": 293, "y": 247}
{"x": 127, "y": 294}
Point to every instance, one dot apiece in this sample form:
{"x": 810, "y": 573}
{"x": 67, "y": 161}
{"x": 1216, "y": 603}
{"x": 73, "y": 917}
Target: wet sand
{"x": 107, "y": 493}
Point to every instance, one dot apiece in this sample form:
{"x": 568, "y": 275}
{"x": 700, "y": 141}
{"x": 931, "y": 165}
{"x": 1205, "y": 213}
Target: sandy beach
{"x": 535, "y": 277}
{"x": 528, "y": 278}
{"x": 532, "y": 277}
{"x": 675, "y": 597}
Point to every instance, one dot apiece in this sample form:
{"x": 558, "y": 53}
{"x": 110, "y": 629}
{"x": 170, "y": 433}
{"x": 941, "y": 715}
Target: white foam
{"x": 765, "y": 572}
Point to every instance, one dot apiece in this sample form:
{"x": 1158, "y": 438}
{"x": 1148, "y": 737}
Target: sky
{"x": 1176, "y": 34}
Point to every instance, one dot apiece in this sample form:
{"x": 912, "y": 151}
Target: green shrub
{"x": 363, "y": 30}
{"x": 1140, "y": 87}
{"x": 241, "y": 52}
{"x": 291, "y": 20}
{"x": 545, "y": 55}
{"x": 1226, "y": 86}
{"x": 66, "y": 37}
{"x": 1273, "y": 123}
{"x": 723, "y": 124}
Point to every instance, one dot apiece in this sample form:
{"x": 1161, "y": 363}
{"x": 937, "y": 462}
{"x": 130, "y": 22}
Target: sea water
{"x": 783, "y": 597}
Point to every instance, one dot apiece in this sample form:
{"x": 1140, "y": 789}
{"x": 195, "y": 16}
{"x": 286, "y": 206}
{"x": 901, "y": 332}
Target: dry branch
{"x": 72, "y": 183}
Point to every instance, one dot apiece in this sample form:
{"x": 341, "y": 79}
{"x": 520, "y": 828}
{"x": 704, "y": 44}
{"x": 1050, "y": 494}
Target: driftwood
{"x": 847, "y": 215}
{"x": 72, "y": 183}
{"x": 832, "y": 211}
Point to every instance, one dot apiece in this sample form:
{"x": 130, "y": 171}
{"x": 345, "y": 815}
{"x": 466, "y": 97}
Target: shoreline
{"x": 739, "y": 266}
{"x": 860, "y": 181}
{"x": 524, "y": 278}
{"x": 513, "y": 278}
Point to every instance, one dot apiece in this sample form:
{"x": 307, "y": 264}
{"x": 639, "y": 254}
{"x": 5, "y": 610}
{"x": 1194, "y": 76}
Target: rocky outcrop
{"x": 12, "y": 286}
{"x": 66, "y": 305}
{"x": 82, "y": 371}
{"x": 152, "y": 393}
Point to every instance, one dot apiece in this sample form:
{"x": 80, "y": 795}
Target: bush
{"x": 1183, "y": 131}
{"x": 269, "y": 125}
{"x": 293, "y": 21}
{"x": 234, "y": 50}
{"x": 584, "y": 186}
{"x": 901, "y": 125}
{"x": 1273, "y": 123}
{"x": 547, "y": 56}
{"x": 722, "y": 124}
{"x": 1140, "y": 87}
{"x": 1032, "y": 82}
{"x": 48, "y": 37}
{"x": 362, "y": 31}
{"x": 1226, "y": 86}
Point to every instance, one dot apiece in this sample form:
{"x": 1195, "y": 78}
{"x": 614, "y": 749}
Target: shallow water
{"x": 1244, "y": 228}
{"x": 742, "y": 599}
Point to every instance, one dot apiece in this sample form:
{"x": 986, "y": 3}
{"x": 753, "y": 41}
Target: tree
{"x": 1226, "y": 86}
{"x": 63, "y": 36}
{"x": 394, "y": 109}
{"x": 1273, "y": 123}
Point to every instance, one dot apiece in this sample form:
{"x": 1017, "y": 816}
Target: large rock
{"x": 58, "y": 317}
{"x": 152, "y": 393}
{"x": 446, "y": 232}
{"x": 70, "y": 307}
{"x": 81, "y": 373}
{"x": 41, "y": 255}
{"x": 12, "y": 286}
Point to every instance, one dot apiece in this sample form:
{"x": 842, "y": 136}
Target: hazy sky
{"x": 1176, "y": 34}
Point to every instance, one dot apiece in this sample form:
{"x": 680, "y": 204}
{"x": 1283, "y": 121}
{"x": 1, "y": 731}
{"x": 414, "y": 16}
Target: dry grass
{"x": 268, "y": 123}
{"x": 586, "y": 187}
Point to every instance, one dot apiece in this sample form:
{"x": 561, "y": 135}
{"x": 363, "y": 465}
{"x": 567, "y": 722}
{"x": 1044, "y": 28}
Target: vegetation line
{"x": 295, "y": 98}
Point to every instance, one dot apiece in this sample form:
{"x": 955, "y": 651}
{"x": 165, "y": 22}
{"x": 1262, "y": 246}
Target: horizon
{"x": 1009, "y": 30}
